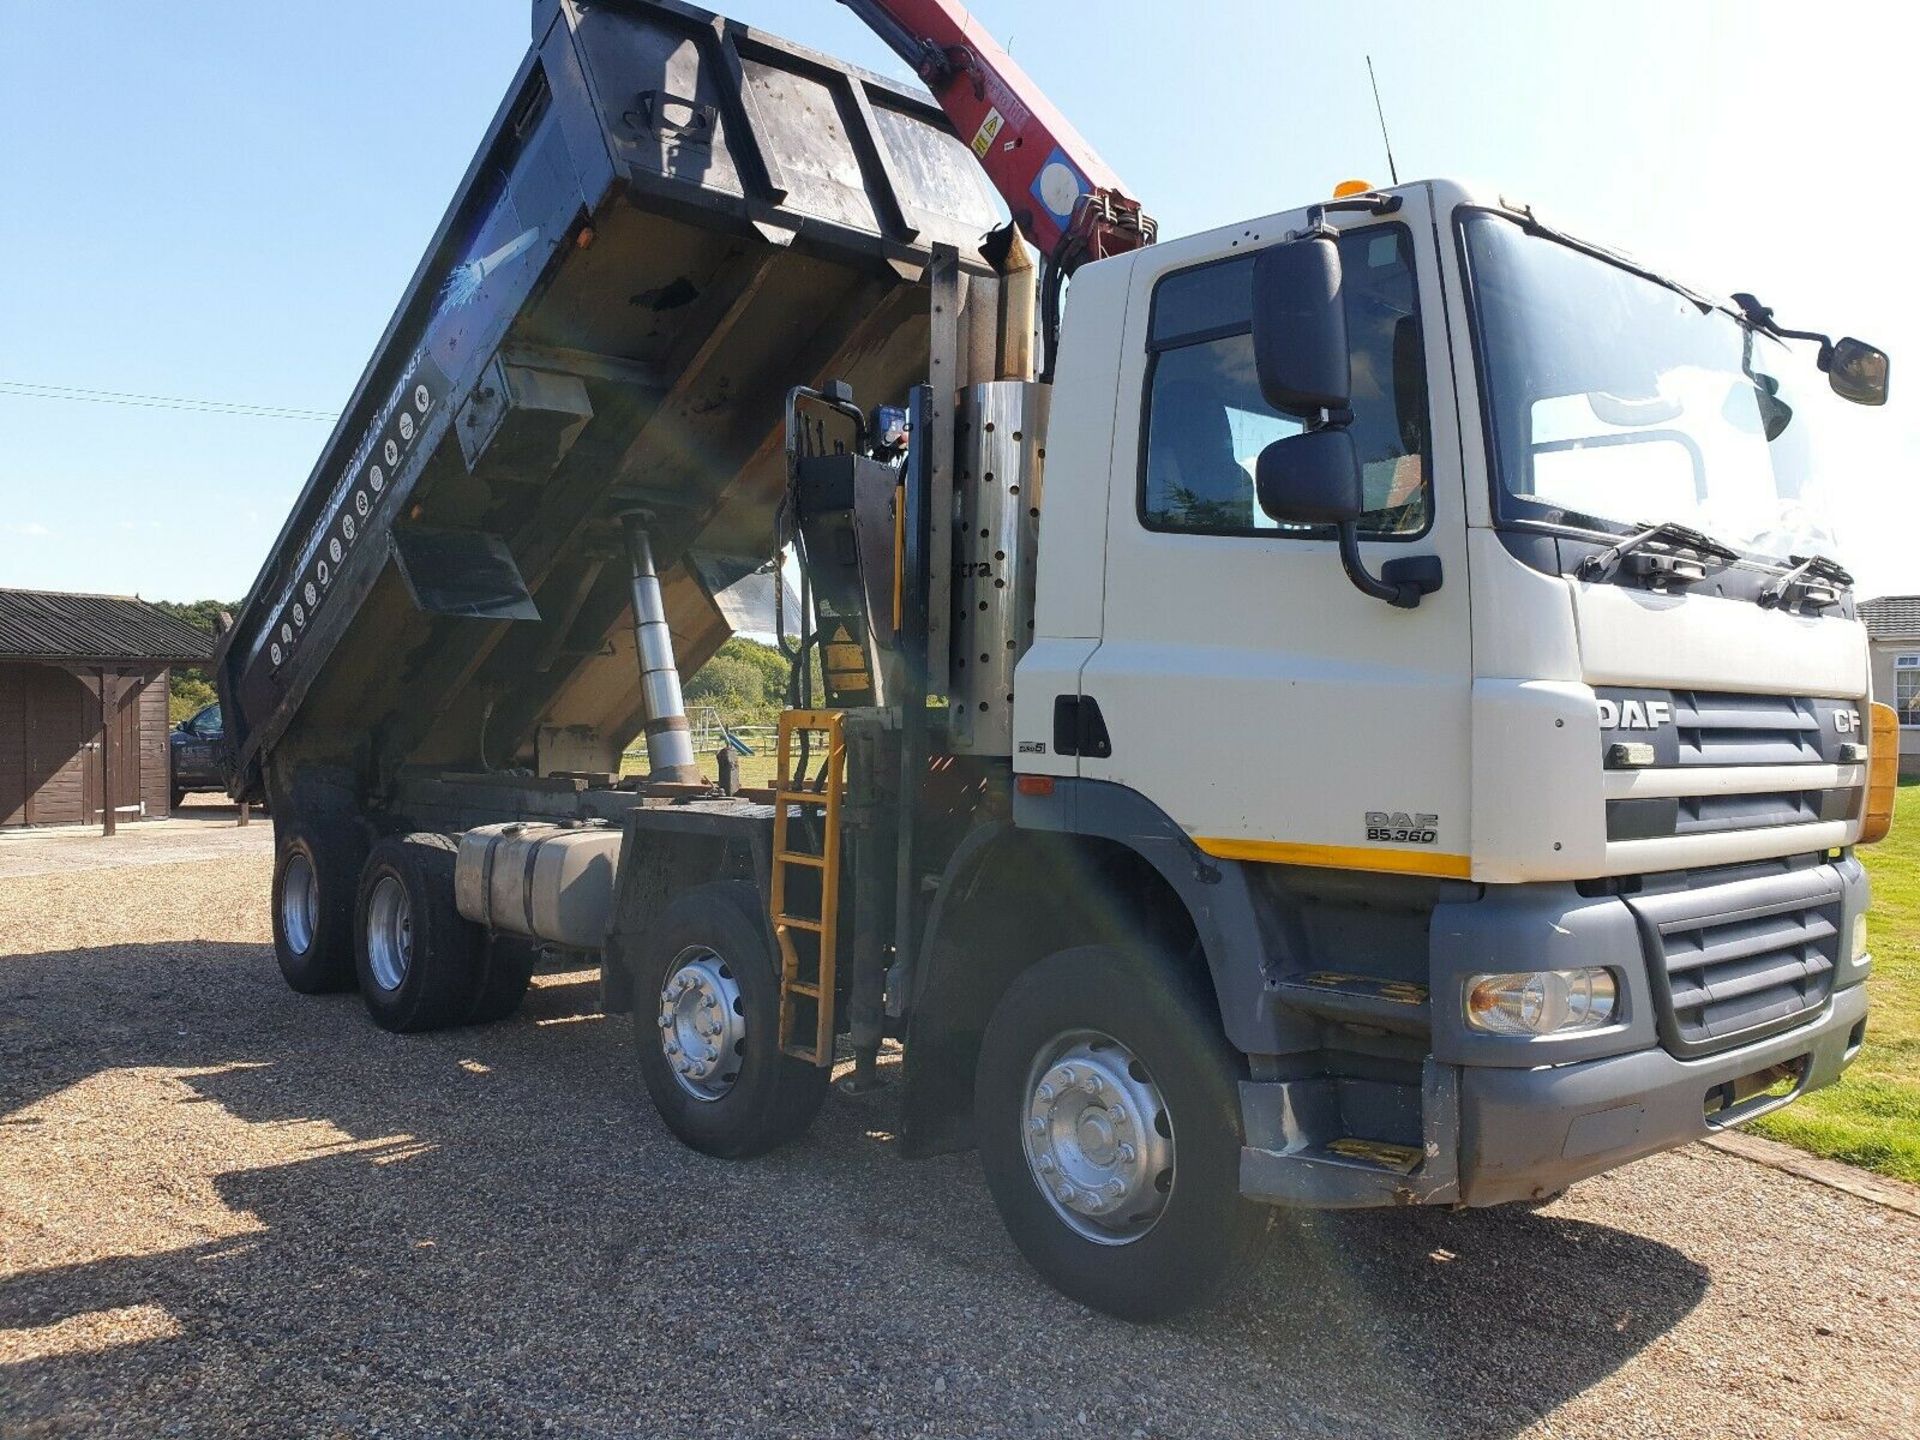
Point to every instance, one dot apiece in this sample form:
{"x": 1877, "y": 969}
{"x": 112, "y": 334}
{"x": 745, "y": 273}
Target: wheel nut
{"x": 1044, "y": 1162}
{"x": 1066, "y": 1192}
{"x": 666, "y": 1019}
{"x": 1067, "y": 1076}
{"x": 1094, "y": 1086}
{"x": 1037, "y": 1126}
{"x": 1116, "y": 1187}
{"x": 672, "y": 1048}
{"x": 1127, "y": 1155}
{"x": 1117, "y": 1114}
{"x": 1045, "y": 1093}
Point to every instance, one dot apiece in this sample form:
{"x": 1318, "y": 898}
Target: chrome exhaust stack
{"x": 669, "y": 742}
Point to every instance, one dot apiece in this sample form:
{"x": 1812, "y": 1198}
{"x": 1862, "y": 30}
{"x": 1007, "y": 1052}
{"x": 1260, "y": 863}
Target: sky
{"x": 223, "y": 203}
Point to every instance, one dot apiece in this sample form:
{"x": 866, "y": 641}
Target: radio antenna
{"x": 1393, "y": 172}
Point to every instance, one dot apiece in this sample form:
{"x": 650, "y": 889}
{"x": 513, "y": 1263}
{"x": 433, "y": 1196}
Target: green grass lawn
{"x": 1872, "y": 1117}
{"x": 756, "y": 771}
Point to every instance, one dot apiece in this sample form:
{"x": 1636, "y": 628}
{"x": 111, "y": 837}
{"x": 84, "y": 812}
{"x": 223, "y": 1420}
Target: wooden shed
{"x": 83, "y": 706}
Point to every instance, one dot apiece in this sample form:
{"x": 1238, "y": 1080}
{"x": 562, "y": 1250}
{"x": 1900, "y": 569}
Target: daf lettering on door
{"x": 1635, "y": 714}
{"x": 1402, "y": 827}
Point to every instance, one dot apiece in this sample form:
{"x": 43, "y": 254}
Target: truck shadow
{"x": 480, "y": 1230}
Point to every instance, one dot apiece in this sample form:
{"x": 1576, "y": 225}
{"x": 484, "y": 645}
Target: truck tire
{"x": 706, "y": 964}
{"x": 507, "y": 965}
{"x": 1107, "y": 1112}
{"x": 316, "y": 867}
{"x": 419, "y": 960}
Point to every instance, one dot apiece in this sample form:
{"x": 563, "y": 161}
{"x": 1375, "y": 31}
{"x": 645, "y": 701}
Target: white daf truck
{"x": 1378, "y": 720}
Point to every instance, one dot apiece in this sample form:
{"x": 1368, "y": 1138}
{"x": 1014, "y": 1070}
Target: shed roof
{"x": 1892, "y": 617}
{"x": 50, "y": 625}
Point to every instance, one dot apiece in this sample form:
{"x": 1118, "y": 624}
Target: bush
{"x": 745, "y": 681}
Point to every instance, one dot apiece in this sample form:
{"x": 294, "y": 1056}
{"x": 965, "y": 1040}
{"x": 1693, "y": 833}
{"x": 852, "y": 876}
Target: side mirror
{"x": 1314, "y": 478}
{"x": 1300, "y": 348}
{"x": 1857, "y": 371}
{"x": 1305, "y": 365}
{"x": 1311, "y": 479}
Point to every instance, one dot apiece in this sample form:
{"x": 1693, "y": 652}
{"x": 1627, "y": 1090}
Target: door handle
{"x": 1079, "y": 728}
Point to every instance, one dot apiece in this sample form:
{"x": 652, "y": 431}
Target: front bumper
{"x": 1495, "y": 1134}
{"x": 1527, "y": 1133}
{"x": 1504, "y": 1118}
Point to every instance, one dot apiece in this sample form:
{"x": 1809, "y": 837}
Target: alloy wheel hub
{"x": 1098, "y": 1137}
{"x": 389, "y": 933}
{"x": 299, "y": 903}
{"x": 703, "y": 1030}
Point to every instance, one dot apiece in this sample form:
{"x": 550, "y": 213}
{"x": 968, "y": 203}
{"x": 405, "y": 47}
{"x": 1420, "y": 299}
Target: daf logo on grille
{"x": 1635, "y": 714}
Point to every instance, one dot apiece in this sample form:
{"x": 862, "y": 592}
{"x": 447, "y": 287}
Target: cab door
{"x": 1248, "y": 688}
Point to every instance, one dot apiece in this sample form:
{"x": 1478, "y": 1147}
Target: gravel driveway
{"x": 227, "y": 1210}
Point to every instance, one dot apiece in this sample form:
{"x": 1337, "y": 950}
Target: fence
{"x": 706, "y": 726}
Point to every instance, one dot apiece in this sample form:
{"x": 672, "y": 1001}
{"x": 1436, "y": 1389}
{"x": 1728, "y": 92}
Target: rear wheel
{"x": 706, "y": 998}
{"x": 419, "y": 960}
{"x": 316, "y": 866}
{"x": 1107, "y": 1111}
{"x": 507, "y": 965}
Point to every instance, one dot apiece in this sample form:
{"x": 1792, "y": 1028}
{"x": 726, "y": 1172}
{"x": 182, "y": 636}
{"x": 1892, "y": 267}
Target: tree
{"x": 187, "y": 695}
{"x": 191, "y": 687}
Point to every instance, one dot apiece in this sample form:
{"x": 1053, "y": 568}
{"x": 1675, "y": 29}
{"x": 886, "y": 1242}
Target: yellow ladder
{"x": 798, "y": 982}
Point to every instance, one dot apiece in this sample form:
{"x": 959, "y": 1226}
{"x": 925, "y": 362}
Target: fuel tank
{"x": 551, "y": 883}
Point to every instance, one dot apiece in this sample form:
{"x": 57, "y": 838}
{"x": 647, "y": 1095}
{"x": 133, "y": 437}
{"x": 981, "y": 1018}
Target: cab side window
{"x": 1207, "y": 422}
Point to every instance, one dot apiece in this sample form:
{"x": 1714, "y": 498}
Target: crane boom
{"x": 1062, "y": 195}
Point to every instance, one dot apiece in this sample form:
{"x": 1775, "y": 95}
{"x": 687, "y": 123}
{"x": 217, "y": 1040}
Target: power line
{"x": 32, "y": 391}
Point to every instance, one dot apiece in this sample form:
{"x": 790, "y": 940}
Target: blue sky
{"x": 224, "y": 202}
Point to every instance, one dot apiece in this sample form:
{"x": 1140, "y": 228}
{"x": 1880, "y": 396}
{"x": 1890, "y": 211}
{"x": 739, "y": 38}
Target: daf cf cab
{"x": 1459, "y": 601}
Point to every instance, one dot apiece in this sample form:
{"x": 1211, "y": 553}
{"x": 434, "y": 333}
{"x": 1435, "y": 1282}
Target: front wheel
{"x": 1107, "y": 1111}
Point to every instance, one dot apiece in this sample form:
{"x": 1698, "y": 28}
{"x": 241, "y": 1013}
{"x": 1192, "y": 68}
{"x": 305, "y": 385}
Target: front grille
{"x": 1737, "y": 958}
{"x": 1712, "y": 727}
{"x": 1696, "y": 731}
{"x": 1712, "y": 814}
{"x": 1724, "y": 729}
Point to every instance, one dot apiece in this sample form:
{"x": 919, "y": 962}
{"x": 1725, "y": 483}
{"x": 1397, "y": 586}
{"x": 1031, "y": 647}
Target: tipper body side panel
{"x": 672, "y": 220}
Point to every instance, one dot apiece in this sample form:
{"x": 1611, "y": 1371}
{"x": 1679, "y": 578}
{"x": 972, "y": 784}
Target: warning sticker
{"x": 983, "y": 138}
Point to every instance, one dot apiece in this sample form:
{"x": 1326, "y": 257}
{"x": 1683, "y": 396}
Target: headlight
{"x": 1542, "y": 1002}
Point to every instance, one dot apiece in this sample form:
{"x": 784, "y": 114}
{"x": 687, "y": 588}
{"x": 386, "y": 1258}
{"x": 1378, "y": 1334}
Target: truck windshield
{"x": 1616, "y": 401}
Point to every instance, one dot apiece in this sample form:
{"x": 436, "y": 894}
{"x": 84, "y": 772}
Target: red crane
{"x": 1061, "y": 193}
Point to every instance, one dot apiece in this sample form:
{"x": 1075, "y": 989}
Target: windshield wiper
{"x": 1808, "y": 572}
{"x": 1662, "y": 568}
{"x": 1534, "y": 225}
